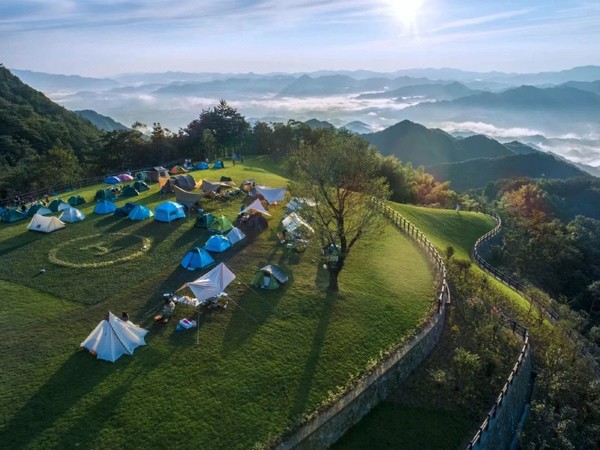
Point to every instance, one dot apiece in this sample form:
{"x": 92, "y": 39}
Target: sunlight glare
{"x": 405, "y": 11}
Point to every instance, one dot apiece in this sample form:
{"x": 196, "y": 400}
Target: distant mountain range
{"x": 436, "y": 91}
{"x": 469, "y": 162}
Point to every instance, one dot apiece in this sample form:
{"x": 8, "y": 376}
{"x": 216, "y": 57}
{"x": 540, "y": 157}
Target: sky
{"x": 109, "y": 37}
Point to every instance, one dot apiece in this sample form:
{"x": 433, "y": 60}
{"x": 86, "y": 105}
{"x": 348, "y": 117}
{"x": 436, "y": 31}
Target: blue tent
{"x": 12, "y": 215}
{"x": 124, "y": 210}
{"x": 112, "y": 180}
{"x": 197, "y": 259}
{"x": 105, "y": 207}
{"x": 217, "y": 244}
{"x": 202, "y": 166}
{"x": 218, "y": 165}
{"x": 168, "y": 212}
{"x": 140, "y": 212}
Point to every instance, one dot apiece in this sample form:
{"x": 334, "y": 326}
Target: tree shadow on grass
{"x": 299, "y": 401}
{"x": 15, "y": 243}
{"x": 77, "y": 377}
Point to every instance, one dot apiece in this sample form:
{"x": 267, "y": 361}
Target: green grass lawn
{"x": 260, "y": 365}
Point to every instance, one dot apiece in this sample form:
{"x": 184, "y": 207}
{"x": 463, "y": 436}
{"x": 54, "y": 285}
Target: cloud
{"x": 488, "y": 129}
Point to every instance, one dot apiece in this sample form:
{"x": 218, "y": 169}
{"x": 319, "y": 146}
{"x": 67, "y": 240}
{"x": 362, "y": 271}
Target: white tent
{"x": 45, "y": 224}
{"x": 212, "y": 283}
{"x": 114, "y": 337}
{"x": 271, "y": 195}
{"x": 235, "y": 235}
{"x": 72, "y": 215}
{"x": 294, "y": 221}
{"x": 257, "y": 206}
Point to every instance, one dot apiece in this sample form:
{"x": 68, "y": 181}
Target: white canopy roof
{"x": 114, "y": 337}
{"x": 212, "y": 283}
{"x": 257, "y": 206}
{"x": 294, "y": 221}
{"x": 271, "y": 195}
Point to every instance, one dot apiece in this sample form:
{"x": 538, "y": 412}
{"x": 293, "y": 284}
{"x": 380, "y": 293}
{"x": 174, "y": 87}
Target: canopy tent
{"x": 12, "y": 215}
{"x": 202, "y": 166}
{"x": 217, "y": 244}
{"x": 176, "y": 170}
{"x": 198, "y": 258}
{"x": 218, "y": 165}
{"x": 235, "y": 235}
{"x": 185, "y": 182}
{"x": 72, "y": 215}
{"x": 112, "y": 180}
{"x": 140, "y": 186}
{"x": 220, "y": 225}
{"x": 45, "y": 224}
{"x": 212, "y": 283}
{"x": 271, "y": 195}
{"x": 56, "y": 204}
{"x": 296, "y": 204}
{"x": 104, "y": 194}
{"x": 208, "y": 186}
{"x": 124, "y": 210}
{"x": 293, "y": 221}
{"x": 105, "y": 207}
{"x": 255, "y": 206}
{"x": 125, "y": 177}
{"x": 188, "y": 199}
{"x": 114, "y": 337}
{"x": 168, "y": 212}
{"x": 204, "y": 220}
{"x": 76, "y": 200}
{"x": 269, "y": 277}
{"x": 140, "y": 212}
{"x": 129, "y": 191}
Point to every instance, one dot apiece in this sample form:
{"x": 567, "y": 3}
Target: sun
{"x": 405, "y": 11}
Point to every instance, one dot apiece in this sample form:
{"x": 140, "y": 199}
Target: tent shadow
{"x": 78, "y": 376}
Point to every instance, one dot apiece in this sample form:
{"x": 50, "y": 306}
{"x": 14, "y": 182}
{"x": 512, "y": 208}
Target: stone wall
{"x": 331, "y": 424}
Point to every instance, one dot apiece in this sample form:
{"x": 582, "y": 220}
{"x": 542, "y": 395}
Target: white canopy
{"x": 45, "y": 224}
{"x": 212, "y": 283}
{"x": 235, "y": 235}
{"x": 113, "y": 338}
{"x": 294, "y": 221}
{"x": 257, "y": 206}
{"x": 271, "y": 195}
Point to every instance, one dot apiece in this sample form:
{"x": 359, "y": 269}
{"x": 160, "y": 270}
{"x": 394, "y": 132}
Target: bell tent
{"x": 235, "y": 235}
{"x": 45, "y": 224}
{"x": 217, "y": 244}
{"x": 198, "y": 258}
{"x": 105, "y": 207}
{"x": 114, "y": 337}
{"x": 212, "y": 283}
{"x": 168, "y": 212}
{"x": 140, "y": 212}
{"x": 72, "y": 215}
{"x": 269, "y": 277}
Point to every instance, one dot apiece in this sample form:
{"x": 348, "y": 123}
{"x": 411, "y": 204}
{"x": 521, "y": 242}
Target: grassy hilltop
{"x": 260, "y": 365}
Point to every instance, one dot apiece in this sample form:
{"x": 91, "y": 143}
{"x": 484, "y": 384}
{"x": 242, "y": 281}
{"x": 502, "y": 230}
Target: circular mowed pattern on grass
{"x": 99, "y": 250}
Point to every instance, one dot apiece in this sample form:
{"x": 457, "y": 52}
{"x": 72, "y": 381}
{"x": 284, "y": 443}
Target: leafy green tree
{"x": 59, "y": 166}
{"x": 339, "y": 171}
